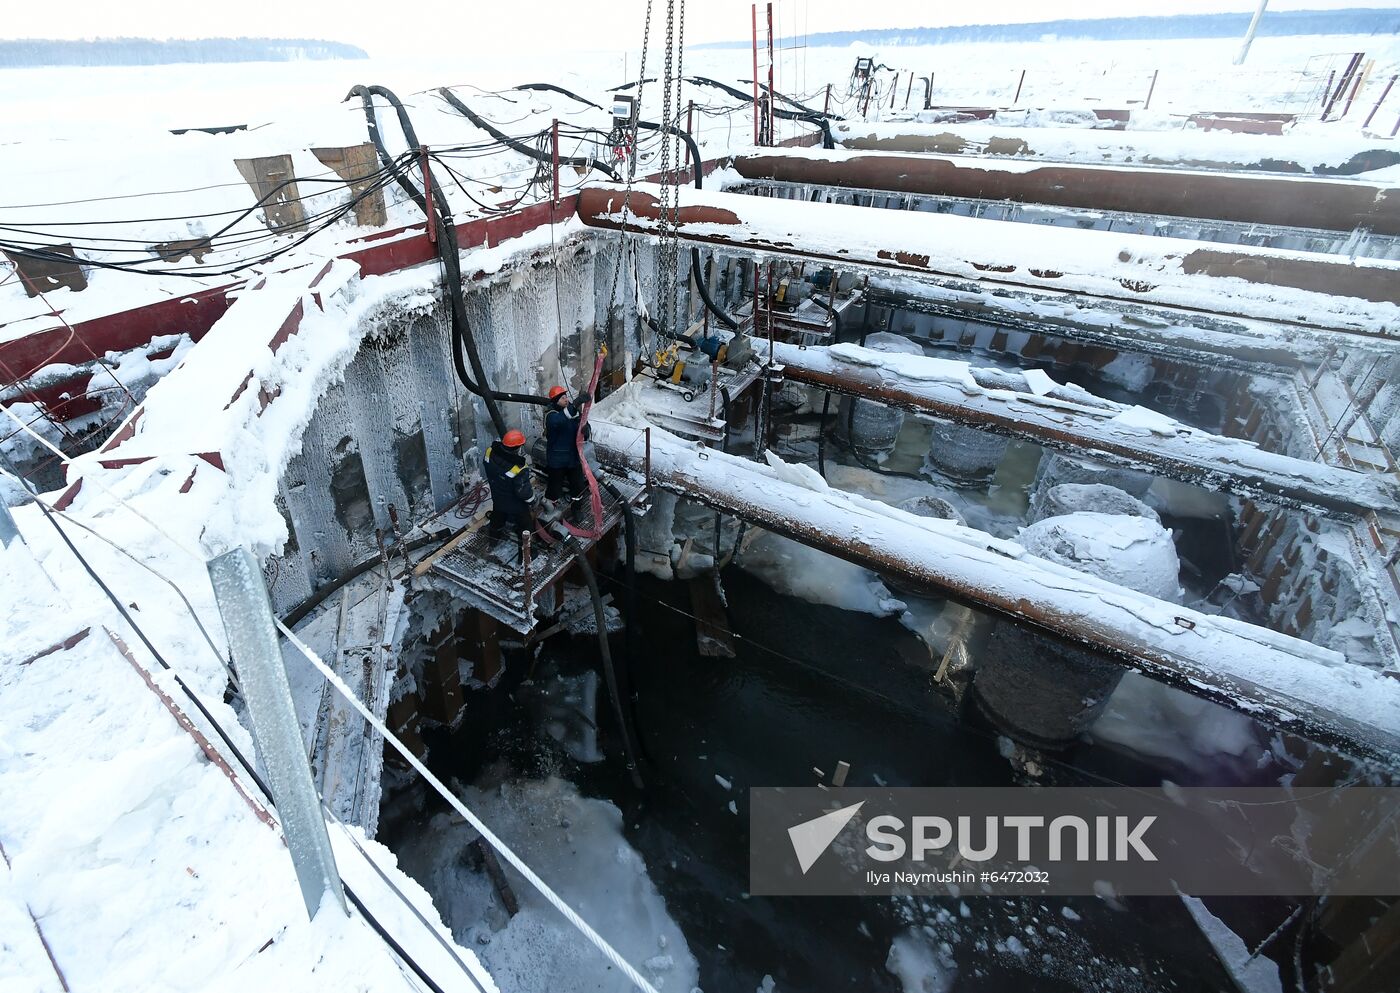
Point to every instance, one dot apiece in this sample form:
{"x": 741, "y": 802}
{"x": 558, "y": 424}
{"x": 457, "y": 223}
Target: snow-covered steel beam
{"x": 1284, "y": 201}
{"x": 1299, "y": 152}
{"x": 1280, "y": 681}
{"x": 1030, "y": 407}
{"x": 1199, "y": 339}
{"x": 1360, "y": 297}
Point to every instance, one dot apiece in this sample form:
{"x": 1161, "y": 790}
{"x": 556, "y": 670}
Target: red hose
{"x": 595, "y": 498}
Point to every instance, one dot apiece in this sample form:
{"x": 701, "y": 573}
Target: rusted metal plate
{"x": 1242, "y": 198}
{"x": 46, "y": 275}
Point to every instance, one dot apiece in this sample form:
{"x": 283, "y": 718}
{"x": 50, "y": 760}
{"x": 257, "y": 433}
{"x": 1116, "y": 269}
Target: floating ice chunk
{"x": 920, "y": 965}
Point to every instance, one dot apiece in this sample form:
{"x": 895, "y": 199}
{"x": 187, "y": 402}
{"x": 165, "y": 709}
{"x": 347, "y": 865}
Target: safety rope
{"x": 487, "y": 835}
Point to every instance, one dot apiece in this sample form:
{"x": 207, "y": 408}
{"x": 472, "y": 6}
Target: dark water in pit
{"x": 813, "y": 685}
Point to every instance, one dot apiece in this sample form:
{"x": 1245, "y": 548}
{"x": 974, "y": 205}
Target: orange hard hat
{"x": 555, "y": 392}
{"x": 513, "y": 439}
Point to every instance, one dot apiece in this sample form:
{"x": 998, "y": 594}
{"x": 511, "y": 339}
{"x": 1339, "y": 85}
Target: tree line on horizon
{"x": 1354, "y": 20}
{"x": 36, "y": 52}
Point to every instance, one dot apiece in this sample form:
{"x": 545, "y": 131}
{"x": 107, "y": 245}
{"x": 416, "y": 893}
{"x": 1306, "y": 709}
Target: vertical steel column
{"x": 8, "y": 531}
{"x": 252, "y": 638}
{"x": 772, "y": 136}
{"x": 753, "y": 15}
{"x": 528, "y": 583}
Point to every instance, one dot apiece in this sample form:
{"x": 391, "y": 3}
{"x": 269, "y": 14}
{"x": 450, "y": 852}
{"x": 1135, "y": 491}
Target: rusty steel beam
{"x": 1283, "y": 201}
{"x": 1288, "y": 288}
{"x": 1299, "y": 154}
{"x": 1280, "y": 681}
{"x": 1082, "y": 425}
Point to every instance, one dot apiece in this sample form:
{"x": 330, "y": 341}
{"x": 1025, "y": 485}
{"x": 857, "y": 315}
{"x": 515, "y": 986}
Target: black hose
{"x": 698, "y": 269}
{"x": 517, "y": 145}
{"x": 462, "y": 338}
{"x": 684, "y": 136}
{"x": 609, "y": 673}
{"x": 695, "y": 265}
{"x": 632, "y": 627}
{"x": 558, "y": 89}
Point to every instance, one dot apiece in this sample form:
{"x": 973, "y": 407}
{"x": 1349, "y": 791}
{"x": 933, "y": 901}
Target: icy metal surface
{"x": 1081, "y": 424}
{"x": 252, "y": 637}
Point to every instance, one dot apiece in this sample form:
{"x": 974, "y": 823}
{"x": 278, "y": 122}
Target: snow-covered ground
{"x": 143, "y": 867}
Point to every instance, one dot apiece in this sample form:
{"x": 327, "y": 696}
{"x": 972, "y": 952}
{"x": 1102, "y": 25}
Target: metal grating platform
{"x": 493, "y": 575}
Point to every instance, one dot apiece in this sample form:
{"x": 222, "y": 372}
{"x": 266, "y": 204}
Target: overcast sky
{"x": 441, "y": 26}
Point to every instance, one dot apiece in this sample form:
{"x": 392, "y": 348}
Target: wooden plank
{"x": 451, "y": 543}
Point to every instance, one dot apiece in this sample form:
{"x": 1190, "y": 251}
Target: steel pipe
{"x": 1293, "y": 288}
{"x": 1278, "y": 680}
{"x": 1284, "y": 201}
{"x": 1082, "y": 425}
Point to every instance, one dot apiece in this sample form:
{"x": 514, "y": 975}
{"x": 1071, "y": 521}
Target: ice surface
{"x": 920, "y": 964}
{"x": 577, "y": 846}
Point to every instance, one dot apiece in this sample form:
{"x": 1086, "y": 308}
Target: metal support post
{"x": 1384, "y": 93}
{"x": 528, "y": 585}
{"x": 648, "y": 460}
{"x": 8, "y": 531}
{"x": 772, "y": 136}
{"x": 1150, "y": 87}
{"x": 1019, "y": 83}
{"x": 241, "y": 594}
{"x": 753, "y": 14}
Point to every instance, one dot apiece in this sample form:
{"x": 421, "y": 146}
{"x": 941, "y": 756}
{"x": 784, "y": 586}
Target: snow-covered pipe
{"x": 1032, "y": 407}
{"x": 1361, "y": 297}
{"x": 1284, "y": 201}
{"x": 1279, "y": 680}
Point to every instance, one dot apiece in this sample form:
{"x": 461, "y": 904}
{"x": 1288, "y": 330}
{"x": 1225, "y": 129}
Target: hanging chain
{"x": 622, "y": 243}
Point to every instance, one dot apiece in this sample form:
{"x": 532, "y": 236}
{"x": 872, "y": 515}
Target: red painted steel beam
{"x": 1241, "y": 198}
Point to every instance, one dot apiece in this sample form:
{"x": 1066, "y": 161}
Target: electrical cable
{"x": 559, "y": 89}
{"x": 518, "y": 145}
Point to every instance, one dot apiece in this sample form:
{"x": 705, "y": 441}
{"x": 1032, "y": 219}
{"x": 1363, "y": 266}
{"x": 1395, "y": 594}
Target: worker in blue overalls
{"x": 512, "y": 493}
{"x": 563, "y": 466}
